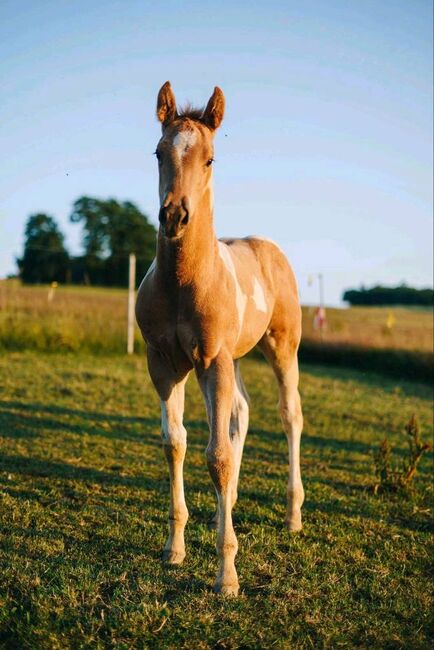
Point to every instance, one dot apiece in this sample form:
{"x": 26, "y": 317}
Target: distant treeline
{"x": 378, "y": 295}
{"x": 111, "y": 231}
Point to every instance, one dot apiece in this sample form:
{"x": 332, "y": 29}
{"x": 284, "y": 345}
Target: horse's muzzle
{"x": 173, "y": 220}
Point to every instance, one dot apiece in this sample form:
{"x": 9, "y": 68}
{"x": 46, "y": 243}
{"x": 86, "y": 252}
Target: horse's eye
{"x": 157, "y": 155}
{"x": 209, "y": 162}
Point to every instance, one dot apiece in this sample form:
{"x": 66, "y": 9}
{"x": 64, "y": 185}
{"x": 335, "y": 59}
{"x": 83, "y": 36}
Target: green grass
{"x": 93, "y": 319}
{"x": 83, "y": 510}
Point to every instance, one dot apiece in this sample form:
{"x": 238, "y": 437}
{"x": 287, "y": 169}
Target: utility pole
{"x": 131, "y": 301}
{"x": 321, "y": 313}
{"x": 319, "y": 320}
{"x": 321, "y": 289}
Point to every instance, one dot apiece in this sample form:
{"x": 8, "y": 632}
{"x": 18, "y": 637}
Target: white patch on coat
{"x": 173, "y": 431}
{"x": 239, "y": 417}
{"x": 183, "y": 141}
{"x": 164, "y": 422}
{"x": 240, "y": 296}
{"x": 259, "y": 296}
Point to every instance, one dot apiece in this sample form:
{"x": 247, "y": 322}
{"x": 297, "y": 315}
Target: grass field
{"x": 94, "y": 320}
{"x": 83, "y": 507}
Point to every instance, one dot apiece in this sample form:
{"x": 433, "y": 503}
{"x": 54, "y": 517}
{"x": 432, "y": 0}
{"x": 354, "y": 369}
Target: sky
{"x": 326, "y": 145}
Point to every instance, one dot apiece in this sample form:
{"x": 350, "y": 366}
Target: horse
{"x": 203, "y": 304}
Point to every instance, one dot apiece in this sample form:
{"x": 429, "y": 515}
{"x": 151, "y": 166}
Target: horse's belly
{"x": 252, "y": 331}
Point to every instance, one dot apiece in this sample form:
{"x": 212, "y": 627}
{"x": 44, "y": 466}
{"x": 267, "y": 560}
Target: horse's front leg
{"x": 217, "y": 383}
{"x": 238, "y": 430}
{"x": 174, "y": 437}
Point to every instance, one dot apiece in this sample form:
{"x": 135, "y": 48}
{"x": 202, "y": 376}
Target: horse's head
{"x": 185, "y": 157}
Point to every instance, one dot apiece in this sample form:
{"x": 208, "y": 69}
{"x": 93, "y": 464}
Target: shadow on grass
{"x": 15, "y": 424}
{"x": 318, "y": 442}
{"x": 365, "y": 510}
{"x": 90, "y": 540}
{"x": 58, "y": 470}
{"x": 385, "y": 383}
{"x": 185, "y": 585}
{"x": 18, "y": 420}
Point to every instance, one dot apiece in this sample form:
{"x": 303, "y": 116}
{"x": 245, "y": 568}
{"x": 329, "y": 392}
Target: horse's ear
{"x": 215, "y": 110}
{"x": 166, "y": 104}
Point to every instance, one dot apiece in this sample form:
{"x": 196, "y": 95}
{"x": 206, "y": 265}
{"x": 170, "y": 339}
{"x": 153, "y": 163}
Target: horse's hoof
{"x": 172, "y": 557}
{"x": 294, "y": 525}
{"x": 229, "y": 589}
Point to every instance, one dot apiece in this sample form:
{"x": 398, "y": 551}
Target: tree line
{"x": 401, "y": 295}
{"x": 111, "y": 230}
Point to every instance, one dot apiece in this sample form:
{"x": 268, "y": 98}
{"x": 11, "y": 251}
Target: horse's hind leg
{"x": 238, "y": 426}
{"x": 283, "y": 359}
{"x": 238, "y": 430}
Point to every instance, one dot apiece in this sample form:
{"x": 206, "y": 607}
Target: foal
{"x": 203, "y": 304}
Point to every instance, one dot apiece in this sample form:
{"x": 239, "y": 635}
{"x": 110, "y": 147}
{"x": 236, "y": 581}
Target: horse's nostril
{"x": 185, "y": 219}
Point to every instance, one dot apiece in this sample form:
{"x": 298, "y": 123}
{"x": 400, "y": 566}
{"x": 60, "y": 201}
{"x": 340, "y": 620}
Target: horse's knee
{"x": 174, "y": 443}
{"x": 291, "y": 414}
{"x": 220, "y": 463}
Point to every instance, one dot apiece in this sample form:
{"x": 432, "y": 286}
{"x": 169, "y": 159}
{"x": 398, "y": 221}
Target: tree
{"x": 378, "y": 295}
{"x": 111, "y": 231}
{"x": 45, "y": 258}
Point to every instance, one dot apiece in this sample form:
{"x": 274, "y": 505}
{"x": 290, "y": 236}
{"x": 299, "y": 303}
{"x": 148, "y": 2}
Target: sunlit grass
{"x": 94, "y": 319}
{"x": 83, "y": 510}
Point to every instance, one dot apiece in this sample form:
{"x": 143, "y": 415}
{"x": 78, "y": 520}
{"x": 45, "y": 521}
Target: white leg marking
{"x": 172, "y": 428}
{"x": 174, "y": 438}
{"x": 239, "y": 425}
{"x": 292, "y": 420}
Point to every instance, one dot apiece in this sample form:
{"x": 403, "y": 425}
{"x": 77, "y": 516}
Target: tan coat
{"x": 204, "y": 304}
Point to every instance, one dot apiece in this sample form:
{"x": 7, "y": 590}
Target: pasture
{"x": 84, "y": 497}
{"x": 94, "y": 320}
{"x": 84, "y": 493}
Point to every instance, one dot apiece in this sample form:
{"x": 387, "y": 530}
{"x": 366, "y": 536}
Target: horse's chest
{"x": 193, "y": 336}
{"x": 168, "y": 329}
{"x": 191, "y": 324}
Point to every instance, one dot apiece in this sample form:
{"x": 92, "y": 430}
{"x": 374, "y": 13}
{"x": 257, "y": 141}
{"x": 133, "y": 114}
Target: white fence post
{"x": 131, "y": 296}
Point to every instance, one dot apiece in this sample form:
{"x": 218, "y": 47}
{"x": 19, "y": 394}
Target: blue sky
{"x": 326, "y": 146}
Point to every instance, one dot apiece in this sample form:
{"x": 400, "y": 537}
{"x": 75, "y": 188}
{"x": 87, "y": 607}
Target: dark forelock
{"x": 191, "y": 112}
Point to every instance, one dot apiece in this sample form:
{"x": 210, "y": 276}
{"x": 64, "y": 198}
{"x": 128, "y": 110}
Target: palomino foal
{"x": 202, "y": 305}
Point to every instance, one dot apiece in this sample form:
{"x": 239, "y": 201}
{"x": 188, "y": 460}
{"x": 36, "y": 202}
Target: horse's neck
{"x": 190, "y": 260}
